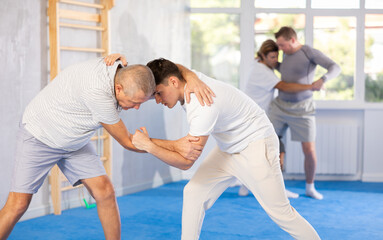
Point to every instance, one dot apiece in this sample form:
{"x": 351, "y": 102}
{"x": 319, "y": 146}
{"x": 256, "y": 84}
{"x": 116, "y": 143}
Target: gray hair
{"x": 134, "y": 78}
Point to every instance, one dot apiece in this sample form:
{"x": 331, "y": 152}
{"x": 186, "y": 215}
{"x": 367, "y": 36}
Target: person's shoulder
{"x": 193, "y": 104}
{"x": 309, "y": 49}
{"x": 194, "y": 107}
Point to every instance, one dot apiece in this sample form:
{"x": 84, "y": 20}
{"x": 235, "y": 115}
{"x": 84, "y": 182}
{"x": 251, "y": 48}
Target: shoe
{"x": 291, "y": 194}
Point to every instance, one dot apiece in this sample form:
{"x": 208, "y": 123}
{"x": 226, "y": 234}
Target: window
{"x": 266, "y": 24}
{"x": 220, "y": 50}
{"x": 280, "y": 4}
{"x": 373, "y": 59}
{"x": 215, "y": 45}
{"x": 215, "y": 3}
{"x": 374, "y": 4}
{"x": 336, "y": 38}
{"x": 333, "y": 4}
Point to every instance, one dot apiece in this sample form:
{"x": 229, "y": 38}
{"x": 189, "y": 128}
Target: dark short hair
{"x": 286, "y": 32}
{"x": 162, "y": 69}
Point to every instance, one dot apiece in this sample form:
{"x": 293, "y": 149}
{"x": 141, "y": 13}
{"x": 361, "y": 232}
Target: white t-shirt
{"x": 234, "y": 120}
{"x": 67, "y": 112}
{"x": 260, "y": 84}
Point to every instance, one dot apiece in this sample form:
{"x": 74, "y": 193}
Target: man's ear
{"x": 118, "y": 88}
{"x": 173, "y": 81}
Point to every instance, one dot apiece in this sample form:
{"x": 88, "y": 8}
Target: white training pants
{"x": 257, "y": 167}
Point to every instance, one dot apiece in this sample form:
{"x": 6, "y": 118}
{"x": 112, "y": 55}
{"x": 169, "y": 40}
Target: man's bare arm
{"x": 112, "y": 58}
{"x": 293, "y": 87}
{"x": 142, "y": 141}
{"x": 121, "y": 134}
{"x": 186, "y": 146}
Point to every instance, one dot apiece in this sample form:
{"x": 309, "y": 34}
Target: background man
{"x": 296, "y": 110}
{"x": 261, "y": 83}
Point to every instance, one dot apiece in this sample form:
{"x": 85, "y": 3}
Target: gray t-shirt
{"x": 300, "y": 66}
{"x": 67, "y": 112}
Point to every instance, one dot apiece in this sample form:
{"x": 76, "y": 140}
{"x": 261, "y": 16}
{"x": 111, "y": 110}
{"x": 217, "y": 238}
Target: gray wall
{"x": 23, "y": 73}
{"x": 24, "y": 60}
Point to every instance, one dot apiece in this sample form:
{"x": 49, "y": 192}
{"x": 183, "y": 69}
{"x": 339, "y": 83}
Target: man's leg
{"x": 15, "y": 207}
{"x": 102, "y": 191}
{"x": 208, "y": 183}
{"x": 310, "y": 167}
{"x": 259, "y": 169}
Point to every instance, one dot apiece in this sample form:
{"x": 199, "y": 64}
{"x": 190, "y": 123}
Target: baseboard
{"x": 319, "y": 177}
{"x": 144, "y": 186}
{"x": 48, "y": 208}
{"x": 378, "y": 177}
{"x": 74, "y": 202}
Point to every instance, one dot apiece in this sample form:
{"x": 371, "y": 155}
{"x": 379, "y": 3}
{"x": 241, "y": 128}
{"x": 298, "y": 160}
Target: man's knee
{"x": 18, "y": 203}
{"x": 308, "y": 149}
{"x": 190, "y": 190}
{"x": 105, "y": 192}
{"x": 100, "y": 188}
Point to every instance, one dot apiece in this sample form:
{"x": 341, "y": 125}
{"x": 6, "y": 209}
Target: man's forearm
{"x": 169, "y": 157}
{"x": 186, "y": 73}
{"x": 167, "y": 144}
{"x": 292, "y": 87}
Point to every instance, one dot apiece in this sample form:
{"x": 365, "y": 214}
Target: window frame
{"x": 247, "y": 13}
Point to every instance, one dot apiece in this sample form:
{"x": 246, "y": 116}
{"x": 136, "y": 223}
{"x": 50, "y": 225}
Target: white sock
{"x": 291, "y": 194}
{"x": 312, "y": 192}
{"x": 243, "y": 191}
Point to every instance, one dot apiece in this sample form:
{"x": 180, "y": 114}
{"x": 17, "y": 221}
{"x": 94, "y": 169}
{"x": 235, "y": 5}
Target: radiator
{"x": 336, "y": 147}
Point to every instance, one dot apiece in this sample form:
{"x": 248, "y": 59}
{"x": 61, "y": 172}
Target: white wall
{"x": 373, "y": 147}
{"x": 23, "y": 73}
{"x": 142, "y": 30}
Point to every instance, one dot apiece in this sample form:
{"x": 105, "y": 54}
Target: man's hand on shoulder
{"x": 112, "y": 58}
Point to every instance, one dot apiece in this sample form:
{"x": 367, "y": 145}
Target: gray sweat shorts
{"x": 34, "y": 160}
{"x": 298, "y": 116}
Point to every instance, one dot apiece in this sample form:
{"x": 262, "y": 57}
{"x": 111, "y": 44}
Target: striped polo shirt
{"x": 68, "y": 111}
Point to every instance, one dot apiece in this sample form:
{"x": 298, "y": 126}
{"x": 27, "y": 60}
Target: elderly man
{"x": 56, "y": 129}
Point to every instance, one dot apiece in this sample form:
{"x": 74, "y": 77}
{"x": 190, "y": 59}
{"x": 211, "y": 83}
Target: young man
{"x": 56, "y": 129}
{"x": 296, "y": 110}
{"x": 247, "y": 150}
{"x": 261, "y": 83}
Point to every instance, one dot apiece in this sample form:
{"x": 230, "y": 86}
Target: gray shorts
{"x": 298, "y": 116}
{"x": 34, "y": 160}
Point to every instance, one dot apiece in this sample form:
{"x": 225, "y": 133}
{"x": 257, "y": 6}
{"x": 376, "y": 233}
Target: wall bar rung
{"x": 70, "y": 25}
{"x": 98, "y": 137}
{"x": 78, "y": 3}
{"x": 97, "y": 50}
{"x": 77, "y": 15}
{"x": 71, "y": 187}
